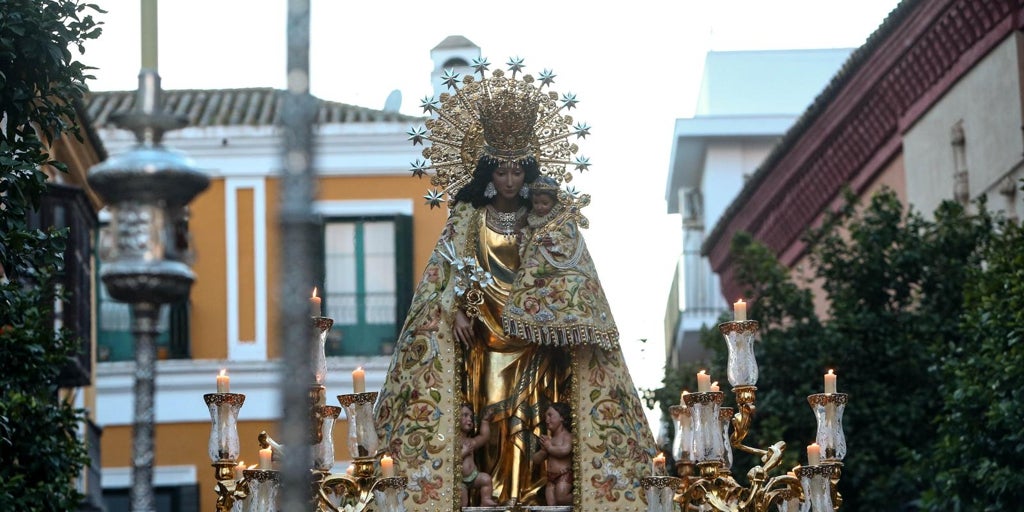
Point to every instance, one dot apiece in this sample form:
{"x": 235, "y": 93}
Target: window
{"x": 66, "y": 207}
{"x": 367, "y": 282}
{"x": 183, "y": 498}
{"x": 114, "y": 327}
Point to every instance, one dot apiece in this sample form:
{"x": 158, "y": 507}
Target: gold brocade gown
{"x": 508, "y": 378}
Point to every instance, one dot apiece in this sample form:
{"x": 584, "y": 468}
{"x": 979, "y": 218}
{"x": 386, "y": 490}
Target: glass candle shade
{"x": 739, "y": 338}
{"x": 264, "y": 486}
{"x": 789, "y": 501}
{"x": 389, "y": 494}
{"x": 725, "y": 419}
{"x": 362, "y": 434}
{"x": 828, "y": 410}
{"x": 323, "y": 452}
{"x": 682, "y": 442}
{"x": 224, "y": 407}
{"x": 816, "y": 482}
{"x": 707, "y": 430}
{"x": 659, "y": 491}
{"x": 322, "y": 326}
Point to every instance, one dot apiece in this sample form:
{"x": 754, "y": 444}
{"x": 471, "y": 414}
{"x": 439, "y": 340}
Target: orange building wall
{"x": 207, "y": 226}
{"x": 209, "y": 294}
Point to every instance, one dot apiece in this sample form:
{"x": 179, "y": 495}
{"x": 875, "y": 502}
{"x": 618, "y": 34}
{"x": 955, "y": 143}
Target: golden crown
{"x": 544, "y": 183}
{"x": 502, "y": 117}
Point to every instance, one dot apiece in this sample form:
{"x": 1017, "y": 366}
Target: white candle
{"x": 830, "y": 382}
{"x": 739, "y": 310}
{"x": 387, "y": 466}
{"x": 238, "y": 469}
{"x": 659, "y": 464}
{"x": 703, "y": 382}
{"x": 266, "y": 458}
{"x": 714, "y": 386}
{"x": 314, "y": 304}
{"x": 148, "y": 31}
{"x": 813, "y": 454}
{"x": 223, "y": 382}
{"x": 359, "y": 380}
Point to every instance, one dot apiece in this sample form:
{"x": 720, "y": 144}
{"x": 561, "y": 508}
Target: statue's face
{"x": 552, "y": 418}
{"x": 466, "y": 419}
{"x": 508, "y": 180}
{"x": 542, "y": 204}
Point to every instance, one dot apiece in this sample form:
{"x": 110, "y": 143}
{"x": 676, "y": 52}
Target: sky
{"x": 636, "y": 67}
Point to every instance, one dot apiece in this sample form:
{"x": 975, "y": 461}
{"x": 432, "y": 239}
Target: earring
{"x": 524, "y": 192}
{"x": 490, "y": 191}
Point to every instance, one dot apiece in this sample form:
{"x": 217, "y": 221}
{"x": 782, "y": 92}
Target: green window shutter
{"x": 367, "y": 282}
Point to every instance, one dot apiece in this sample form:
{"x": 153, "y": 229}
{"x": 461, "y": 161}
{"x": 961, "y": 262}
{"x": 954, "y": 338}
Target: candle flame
{"x": 700, "y": 372}
{"x": 223, "y": 372}
{"x": 254, "y": 466}
{"x": 715, "y": 383}
{"x": 314, "y": 292}
{"x": 830, "y": 372}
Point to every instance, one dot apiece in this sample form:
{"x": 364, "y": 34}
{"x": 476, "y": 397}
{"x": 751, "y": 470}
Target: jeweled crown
{"x": 508, "y": 116}
{"x": 503, "y": 117}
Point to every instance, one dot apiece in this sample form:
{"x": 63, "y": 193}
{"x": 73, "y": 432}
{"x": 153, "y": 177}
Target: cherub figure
{"x": 472, "y": 477}
{"x": 556, "y": 448}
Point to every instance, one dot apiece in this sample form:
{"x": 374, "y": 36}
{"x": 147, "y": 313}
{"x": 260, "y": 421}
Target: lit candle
{"x": 739, "y": 310}
{"x": 659, "y": 464}
{"x": 813, "y": 454}
{"x": 714, "y": 386}
{"x": 703, "y": 382}
{"x": 314, "y": 304}
{"x": 359, "y": 380}
{"x": 350, "y": 470}
{"x": 387, "y": 466}
{"x": 149, "y": 33}
{"x": 238, "y": 470}
{"x": 830, "y": 382}
{"x": 266, "y": 458}
{"x": 682, "y": 398}
{"x": 223, "y": 382}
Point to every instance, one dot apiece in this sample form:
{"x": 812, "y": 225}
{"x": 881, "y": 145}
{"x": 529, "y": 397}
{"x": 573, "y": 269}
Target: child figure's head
{"x": 543, "y": 195}
{"x": 558, "y": 412}
{"x": 467, "y": 421}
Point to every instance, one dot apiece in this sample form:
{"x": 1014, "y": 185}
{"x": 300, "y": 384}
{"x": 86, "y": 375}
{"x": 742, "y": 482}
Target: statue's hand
{"x": 463, "y": 330}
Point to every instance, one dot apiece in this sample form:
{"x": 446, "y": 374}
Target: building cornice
{"x": 852, "y": 130}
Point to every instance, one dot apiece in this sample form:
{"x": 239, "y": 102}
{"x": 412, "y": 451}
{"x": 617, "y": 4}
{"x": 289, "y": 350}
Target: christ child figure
{"x": 556, "y": 449}
{"x": 472, "y": 477}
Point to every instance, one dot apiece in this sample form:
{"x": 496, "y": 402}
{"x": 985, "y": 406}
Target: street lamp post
{"x": 145, "y": 251}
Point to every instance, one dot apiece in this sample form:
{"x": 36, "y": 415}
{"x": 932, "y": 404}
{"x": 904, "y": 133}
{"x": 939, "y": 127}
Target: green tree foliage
{"x": 894, "y": 282}
{"x": 921, "y": 324}
{"x": 980, "y": 446}
{"x": 39, "y": 81}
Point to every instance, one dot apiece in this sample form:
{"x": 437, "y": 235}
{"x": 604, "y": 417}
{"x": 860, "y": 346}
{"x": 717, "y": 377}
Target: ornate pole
{"x": 146, "y": 251}
{"x": 299, "y": 236}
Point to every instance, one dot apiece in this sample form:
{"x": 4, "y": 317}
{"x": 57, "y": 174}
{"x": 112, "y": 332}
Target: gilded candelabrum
{"x": 706, "y": 434}
{"x": 257, "y": 490}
